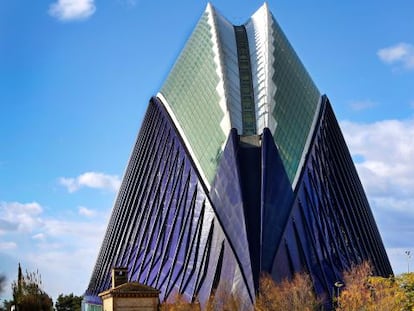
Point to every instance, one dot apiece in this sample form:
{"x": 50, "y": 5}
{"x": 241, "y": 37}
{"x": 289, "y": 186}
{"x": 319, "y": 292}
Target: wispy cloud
{"x": 91, "y": 180}
{"x": 16, "y": 216}
{"x": 401, "y": 54}
{"x": 84, "y": 211}
{"x": 358, "y": 105}
{"x": 39, "y": 237}
{"x": 66, "y": 10}
{"x": 48, "y": 243}
{"x": 386, "y": 170}
{"x": 67, "y": 239}
{"x": 7, "y": 245}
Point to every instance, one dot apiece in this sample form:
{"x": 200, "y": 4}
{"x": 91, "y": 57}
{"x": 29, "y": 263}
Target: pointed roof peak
{"x": 264, "y": 10}
{"x": 209, "y": 7}
{"x": 265, "y": 6}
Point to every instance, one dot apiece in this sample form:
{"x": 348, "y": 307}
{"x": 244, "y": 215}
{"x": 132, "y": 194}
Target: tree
{"x": 365, "y": 292}
{"x": 362, "y": 292}
{"x": 6, "y": 305}
{"x": 295, "y": 294}
{"x": 180, "y": 304}
{"x": 2, "y": 283}
{"x": 356, "y": 295}
{"x": 406, "y": 283}
{"x": 28, "y": 294}
{"x": 386, "y": 294}
{"x": 68, "y": 303}
{"x": 223, "y": 299}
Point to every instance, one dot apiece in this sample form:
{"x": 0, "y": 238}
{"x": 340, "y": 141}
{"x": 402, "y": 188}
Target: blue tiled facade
{"x": 330, "y": 226}
{"x": 173, "y": 234}
{"x": 164, "y": 228}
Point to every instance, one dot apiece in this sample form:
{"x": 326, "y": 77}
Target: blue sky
{"x": 75, "y": 79}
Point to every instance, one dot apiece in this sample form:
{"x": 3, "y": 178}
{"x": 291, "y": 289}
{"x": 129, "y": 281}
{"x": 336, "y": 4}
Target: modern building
{"x": 239, "y": 168}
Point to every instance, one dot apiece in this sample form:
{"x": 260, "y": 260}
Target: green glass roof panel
{"x": 296, "y": 101}
{"x": 191, "y": 93}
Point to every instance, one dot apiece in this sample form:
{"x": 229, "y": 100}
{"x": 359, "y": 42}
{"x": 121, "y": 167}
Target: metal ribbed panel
{"x": 331, "y": 226}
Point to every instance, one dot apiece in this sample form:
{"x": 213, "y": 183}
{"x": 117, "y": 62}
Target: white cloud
{"x": 386, "y": 170}
{"x": 88, "y": 231}
{"x": 19, "y": 216}
{"x": 84, "y": 211}
{"x": 387, "y": 151}
{"x": 91, "y": 180}
{"x": 399, "y": 54}
{"x": 359, "y": 105}
{"x": 58, "y": 239}
{"x": 6, "y": 225}
{"x": 7, "y": 245}
{"x": 67, "y": 10}
{"x": 67, "y": 239}
{"x": 69, "y": 183}
{"x": 39, "y": 237}
{"x": 385, "y": 145}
